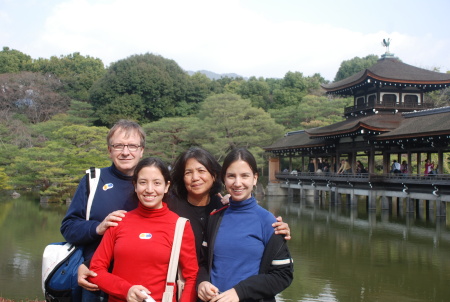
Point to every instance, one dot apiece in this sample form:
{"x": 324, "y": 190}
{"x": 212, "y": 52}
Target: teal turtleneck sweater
{"x": 243, "y": 234}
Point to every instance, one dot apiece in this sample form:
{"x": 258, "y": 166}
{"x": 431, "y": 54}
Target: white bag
{"x": 173, "y": 265}
{"x": 60, "y": 252}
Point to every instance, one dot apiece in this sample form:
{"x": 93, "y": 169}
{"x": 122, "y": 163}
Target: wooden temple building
{"x": 389, "y": 120}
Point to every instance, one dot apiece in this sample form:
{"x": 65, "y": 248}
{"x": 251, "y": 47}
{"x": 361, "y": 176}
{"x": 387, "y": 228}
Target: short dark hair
{"x": 239, "y": 154}
{"x": 151, "y": 162}
{"x": 178, "y": 186}
{"x": 128, "y": 127}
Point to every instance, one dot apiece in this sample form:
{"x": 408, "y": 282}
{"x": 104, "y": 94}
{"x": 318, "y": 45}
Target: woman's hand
{"x": 282, "y": 228}
{"x": 135, "y": 294}
{"x": 228, "y": 296}
{"x": 110, "y": 221}
{"x": 224, "y": 199}
{"x": 207, "y": 291}
{"x": 83, "y": 274}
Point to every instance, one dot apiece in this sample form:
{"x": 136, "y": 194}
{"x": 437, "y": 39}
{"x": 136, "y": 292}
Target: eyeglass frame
{"x": 126, "y": 145}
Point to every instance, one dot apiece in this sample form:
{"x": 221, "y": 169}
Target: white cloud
{"x": 220, "y": 36}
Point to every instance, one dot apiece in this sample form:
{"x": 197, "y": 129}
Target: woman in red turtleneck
{"x": 140, "y": 245}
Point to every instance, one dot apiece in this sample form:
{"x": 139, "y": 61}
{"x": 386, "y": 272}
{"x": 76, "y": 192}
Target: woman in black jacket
{"x": 242, "y": 258}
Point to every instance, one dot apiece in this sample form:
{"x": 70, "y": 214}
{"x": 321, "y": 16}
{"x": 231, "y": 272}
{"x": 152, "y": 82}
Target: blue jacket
{"x": 115, "y": 191}
{"x": 275, "y": 271}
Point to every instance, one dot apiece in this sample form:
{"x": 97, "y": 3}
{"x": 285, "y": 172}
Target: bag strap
{"x": 93, "y": 176}
{"x": 175, "y": 254}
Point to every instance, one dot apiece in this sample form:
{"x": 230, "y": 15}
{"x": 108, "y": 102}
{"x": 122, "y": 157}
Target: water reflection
{"x": 344, "y": 253}
{"x": 340, "y": 253}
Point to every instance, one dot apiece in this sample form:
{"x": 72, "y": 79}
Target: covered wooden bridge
{"x": 389, "y": 120}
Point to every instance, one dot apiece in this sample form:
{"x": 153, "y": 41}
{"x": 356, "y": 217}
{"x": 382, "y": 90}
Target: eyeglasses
{"x": 120, "y": 147}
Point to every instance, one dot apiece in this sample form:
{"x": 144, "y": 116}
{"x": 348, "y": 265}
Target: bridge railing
{"x": 366, "y": 177}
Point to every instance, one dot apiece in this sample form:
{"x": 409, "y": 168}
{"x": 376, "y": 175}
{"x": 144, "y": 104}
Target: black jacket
{"x": 275, "y": 271}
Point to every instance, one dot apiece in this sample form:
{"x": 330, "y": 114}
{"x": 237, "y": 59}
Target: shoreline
{"x": 26, "y": 300}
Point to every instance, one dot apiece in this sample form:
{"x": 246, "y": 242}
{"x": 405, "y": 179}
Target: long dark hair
{"x": 206, "y": 159}
{"x": 239, "y": 154}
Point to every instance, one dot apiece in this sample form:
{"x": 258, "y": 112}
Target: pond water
{"x": 340, "y": 253}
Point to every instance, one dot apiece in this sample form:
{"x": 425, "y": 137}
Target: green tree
{"x": 256, "y": 90}
{"x": 290, "y": 90}
{"x": 58, "y": 165}
{"x": 77, "y": 72}
{"x": 233, "y": 122}
{"x": 160, "y": 82}
{"x": 4, "y": 180}
{"x": 168, "y": 137}
{"x": 355, "y": 65}
{"x": 81, "y": 113}
{"x": 123, "y": 107}
{"x": 13, "y": 61}
{"x": 198, "y": 89}
{"x": 314, "y": 111}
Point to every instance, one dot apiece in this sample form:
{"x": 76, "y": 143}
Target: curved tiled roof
{"x": 375, "y": 122}
{"x": 422, "y": 123}
{"x": 391, "y": 70}
{"x": 299, "y": 139}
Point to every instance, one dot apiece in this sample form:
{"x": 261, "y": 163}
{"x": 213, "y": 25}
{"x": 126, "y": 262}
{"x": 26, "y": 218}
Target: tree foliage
{"x": 13, "y": 61}
{"x": 355, "y": 65}
{"x": 313, "y": 111}
{"x": 159, "y": 82}
{"x": 4, "y": 180}
{"x": 81, "y": 113}
{"x": 57, "y": 165}
{"x": 168, "y": 137}
{"x": 232, "y": 122}
{"x": 78, "y": 73}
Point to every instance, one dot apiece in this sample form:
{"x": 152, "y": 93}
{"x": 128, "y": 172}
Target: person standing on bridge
{"x": 428, "y": 167}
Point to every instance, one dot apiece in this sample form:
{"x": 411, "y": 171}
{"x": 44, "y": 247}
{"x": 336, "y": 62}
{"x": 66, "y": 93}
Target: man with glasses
{"x": 114, "y": 197}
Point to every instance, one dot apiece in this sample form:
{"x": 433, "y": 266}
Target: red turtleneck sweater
{"x": 140, "y": 247}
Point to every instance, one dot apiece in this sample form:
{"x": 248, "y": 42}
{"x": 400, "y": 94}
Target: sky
{"x": 261, "y": 38}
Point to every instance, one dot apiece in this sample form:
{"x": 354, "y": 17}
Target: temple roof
{"x": 422, "y": 123}
{"x": 391, "y": 71}
{"x": 376, "y": 122}
{"x": 295, "y": 139}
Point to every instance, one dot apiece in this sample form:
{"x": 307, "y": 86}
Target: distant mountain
{"x": 216, "y": 76}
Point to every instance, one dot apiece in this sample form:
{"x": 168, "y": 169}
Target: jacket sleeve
{"x": 203, "y": 271}
{"x": 100, "y": 263}
{"x": 276, "y": 272}
{"x": 74, "y": 227}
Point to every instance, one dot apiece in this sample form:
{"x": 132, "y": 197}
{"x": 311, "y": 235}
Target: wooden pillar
{"x": 409, "y": 205}
{"x": 274, "y": 167}
{"x": 440, "y": 161}
{"x": 386, "y": 202}
{"x": 371, "y": 161}
{"x": 352, "y": 160}
{"x": 372, "y": 200}
{"x": 409, "y": 163}
{"x": 419, "y": 163}
{"x": 351, "y": 198}
{"x": 337, "y": 196}
{"x": 386, "y": 162}
{"x": 441, "y": 208}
